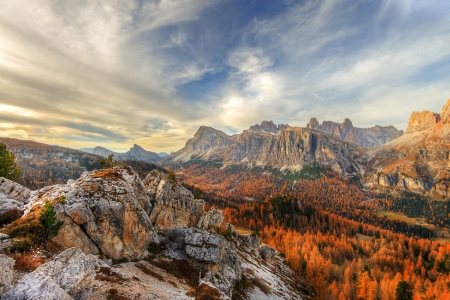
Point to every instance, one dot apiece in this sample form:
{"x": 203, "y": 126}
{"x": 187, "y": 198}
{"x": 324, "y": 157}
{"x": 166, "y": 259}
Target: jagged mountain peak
{"x": 367, "y": 137}
{"x": 422, "y": 120}
{"x": 267, "y": 127}
{"x": 135, "y": 153}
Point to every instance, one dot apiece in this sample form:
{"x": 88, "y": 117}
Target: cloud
{"x": 115, "y": 73}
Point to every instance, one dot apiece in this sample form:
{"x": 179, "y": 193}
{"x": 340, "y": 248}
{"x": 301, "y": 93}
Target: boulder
{"x": 68, "y": 276}
{"x": 267, "y": 252}
{"x": 445, "y": 114}
{"x": 211, "y": 219}
{"x": 174, "y": 205}
{"x": 250, "y": 241}
{"x": 6, "y": 273}
{"x": 14, "y": 190}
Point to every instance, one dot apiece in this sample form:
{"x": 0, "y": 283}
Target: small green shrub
{"x": 47, "y": 218}
{"x": 62, "y": 199}
{"x": 22, "y": 244}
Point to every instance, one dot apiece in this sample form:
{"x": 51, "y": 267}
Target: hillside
{"x": 44, "y": 164}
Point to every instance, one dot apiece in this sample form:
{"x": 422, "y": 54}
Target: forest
{"x": 329, "y": 233}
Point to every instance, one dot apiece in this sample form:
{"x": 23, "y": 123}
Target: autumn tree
{"x": 8, "y": 166}
{"x": 403, "y": 291}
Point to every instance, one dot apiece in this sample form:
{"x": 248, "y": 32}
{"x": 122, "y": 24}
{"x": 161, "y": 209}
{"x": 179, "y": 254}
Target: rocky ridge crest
{"x": 114, "y": 213}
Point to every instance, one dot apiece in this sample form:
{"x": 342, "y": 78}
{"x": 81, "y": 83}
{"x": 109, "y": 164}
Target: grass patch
{"x": 204, "y": 292}
{"x": 261, "y": 285}
{"x": 240, "y": 287}
{"x": 27, "y": 262}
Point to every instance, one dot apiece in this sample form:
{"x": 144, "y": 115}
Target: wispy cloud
{"x": 117, "y": 72}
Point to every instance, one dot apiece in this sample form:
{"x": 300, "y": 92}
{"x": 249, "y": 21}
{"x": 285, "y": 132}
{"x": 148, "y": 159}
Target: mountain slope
{"x": 290, "y": 148}
{"x": 367, "y": 137}
{"x": 135, "y": 153}
{"x": 417, "y": 161}
{"x": 44, "y": 164}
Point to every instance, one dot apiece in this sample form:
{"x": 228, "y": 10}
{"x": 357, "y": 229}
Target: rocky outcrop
{"x": 173, "y": 205}
{"x": 68, "y": 276}
{"x": 213, "y": 218}
{"x": 103, "y": 212}
{"x": 14, "y": 190}
{"x": 6, "y": 273}
{"x": 367, "y": 137}
{"x": 445, "y": 114}
{"x": 267, "y": 252}
{"x": 224, "y": 267}
{"x": 422, "y": 120}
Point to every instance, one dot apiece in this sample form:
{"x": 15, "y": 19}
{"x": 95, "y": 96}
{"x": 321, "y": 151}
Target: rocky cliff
{"x": 367, "y": 137}
{"x": 267, "y": 127}
{"x": 115, "y": 214}
{"x": 135, "y": 153}
{"x": 418, "y": 160}
{"x": 291, "y": 148}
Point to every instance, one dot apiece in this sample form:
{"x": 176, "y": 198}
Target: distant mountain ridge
{"x": 135, "y": 153}
{"x": 281, "y": 147}
{"x": 367, "y": 137}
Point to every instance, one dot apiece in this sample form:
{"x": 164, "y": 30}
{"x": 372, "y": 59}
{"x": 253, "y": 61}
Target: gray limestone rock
{"x": 211, "y": 219}
{"x": 267, "y": 252}
{"x": 6, "y": 273}
{"x": 67, "y": 276}
{"x": 174, "y": 205}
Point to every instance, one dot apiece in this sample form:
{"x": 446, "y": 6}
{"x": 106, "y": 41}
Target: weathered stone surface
{"x": 422, "y": 120}
{"x": 211, "y": 219}
{"x": 6, "y": 273}
{"x": 104, "y": 212}
{"x": 445, "y": 114}
{"x": 174, "y": 205}
{"x": 67, "y": 276}
{"x": 267, "y": 252}
{"x": 5, "y": 243}
{"x": 14, "y": 190}
{"x": 211, "y": 249}
{"x": 250, "y": 241}
{"x": 267, "y": 127}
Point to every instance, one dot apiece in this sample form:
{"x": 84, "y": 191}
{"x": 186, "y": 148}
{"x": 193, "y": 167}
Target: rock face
{"x": 213, "y": 249}
{"x": 68, "y": 276}
{"x": 135, "y": 153}
{"x": 6, "y": 273}
{"x": 174, "y": 206}
{"x": 291, "y": 148}
{"x": 367, "y": 137}
{"x": 445, "y": 114}
{"x": 14, "y": 190}
{"x": 213, "y": 218}
{"x": 104, "y": 211}
{"x": 422, "y": 120}
{"x": 416, "y": 161}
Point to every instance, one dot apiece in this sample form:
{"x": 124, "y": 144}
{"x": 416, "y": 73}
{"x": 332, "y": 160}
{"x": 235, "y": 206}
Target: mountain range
{"x": 382, "y": 157}
{"x": 135, "y": 153}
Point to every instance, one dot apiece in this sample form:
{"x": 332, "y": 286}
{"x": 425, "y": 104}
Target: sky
{"x": 116, "y": 73}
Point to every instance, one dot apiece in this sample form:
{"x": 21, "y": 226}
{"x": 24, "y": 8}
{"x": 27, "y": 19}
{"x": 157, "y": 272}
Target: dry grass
{"x": 261, "y": 285}
{"x": 27, "y": 261}
{"x": 10, "y": 216}
{"x": 204, "y": 292}
{"x": 179, "y": 268}
{"x": 149, "y": 271}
